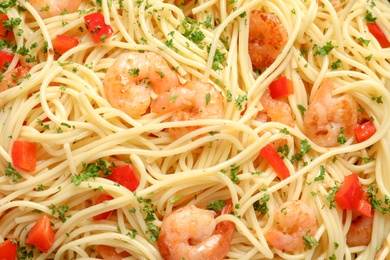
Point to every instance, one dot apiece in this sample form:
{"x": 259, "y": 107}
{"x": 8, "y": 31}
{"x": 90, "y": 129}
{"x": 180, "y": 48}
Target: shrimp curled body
{"x": 192, "y": 233}
{"x": 360, "y": 231}
{"x": 293, "y": 220}
{"x": 191, "y": 101}
{"x": 133, "y": 75}
{"x": 267, "y": 38}
{"x": 327, "y": 117}
{"x": 50, "y": 8}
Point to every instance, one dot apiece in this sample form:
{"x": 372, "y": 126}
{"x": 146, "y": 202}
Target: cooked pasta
{"x": 177, "y": 94}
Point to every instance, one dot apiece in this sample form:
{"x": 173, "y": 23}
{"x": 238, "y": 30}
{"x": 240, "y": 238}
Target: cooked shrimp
{"x": 267, "y": 38}
{"x": 192, "y": 233}
{"x": 14, "y": 77}
{"x": 191, "y": 101}
{"x": 277, "y": 110}
{"x": 360, "y": 231}
{"x": 328, "y": 116}
{"x": 293, "y": 221}
{"x": 50, "y": 8}
{"x": 110, "y": 253}
{"x": 129, "y": 80}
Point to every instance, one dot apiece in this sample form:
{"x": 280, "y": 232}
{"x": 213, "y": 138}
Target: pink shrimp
{"x": 267, "y": 38}
{"x": 110, "y": 253}
{"x": 129, "y": 80}
{"x": 192, "y": 233}
{"x": 328, "y": 116}
{"x": 277, "y": 110}
{"x": 13, "y": 77}
{"x": 293, "y": 221}
{"x": 191, "y": 101}
{"x": 50, "y": 8}
{"x": 360, "y": 231}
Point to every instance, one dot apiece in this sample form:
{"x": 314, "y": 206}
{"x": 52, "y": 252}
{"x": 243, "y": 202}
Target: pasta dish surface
{"x": 194, "y": 129}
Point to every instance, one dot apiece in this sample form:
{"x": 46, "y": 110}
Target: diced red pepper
{"x": 98, "y": 29}
{"x": 63, "y": 43}
{"x": 281, "y": 87}
{"x": 350, "y": 196}
{"x": 24, "y": 155}
{"x": 378, "y": 34}
{"x": 5, "y": 59}
{"x": 364, "y": 207}
{"x": 8, "y": 250}
{"x": 102, "y": 198}
{"x": 41, "y": 234}
{"x": 350, "y": 193}
{"x": 5, "y": 33}
{"x": 272, "y": 157}
{"x": 125, "y": 176}
{"x": 364, "y": 131}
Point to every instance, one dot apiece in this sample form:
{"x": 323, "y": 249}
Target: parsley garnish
{"x": 10, "y": 171}
{"x": 309, "y": 241}
{"x": 134, "y": 72}
{"x": 330, "y": 196}
{"x": 324, "y": 50}
{"x": 261, "y": 205}
{"x": 217, "y": 205}
{"x": 341, "y": 139}
{"x": 92, "y": 170}
{"x": 369, "y": 18}
{"x": 320, "y": 177}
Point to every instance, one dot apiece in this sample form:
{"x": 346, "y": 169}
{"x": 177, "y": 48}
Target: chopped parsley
{"x": 134, "y": 72}
{"x": 330, "y": 196}
{"x": 341, "y": 139}
{"x": 92, "y": 170}
{"x": 324, "y": 50}
{"x": 261, "y": 205}
{"x": 321, "y": 175}
{"x": 369, "y": 18}
{"x": 11, "y": 172}
{"x": 217, "y": 205}
{"x": 308, "y": 241}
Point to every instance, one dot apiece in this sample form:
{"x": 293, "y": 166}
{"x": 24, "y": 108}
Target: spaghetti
{"x": 60, "y": 104}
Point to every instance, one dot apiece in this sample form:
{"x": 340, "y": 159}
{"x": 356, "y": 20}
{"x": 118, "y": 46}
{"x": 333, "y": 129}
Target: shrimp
{"x": 191, "y": 101}
{"x": 192, "y": 233}
{"x": 327, "y": 117}
{"x": 360, "y": 231}
{"x": 110, "y": 253}
{"x": 277, "y": 110}
{"x": 50, "y": 8}
{"x": 133, "y": 75}
{"x": 267, "y": 38}
{"x": 14, "y": 77}
{"x": 293, "y": 221}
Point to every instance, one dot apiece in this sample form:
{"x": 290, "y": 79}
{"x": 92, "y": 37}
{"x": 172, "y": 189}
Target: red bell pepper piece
{"x": 364, "y": 207}
{"x": 364, "y": 131}
{"x": 41, "y": 234}
{"x": 125, "y": 176}
{"x": 5, "y": 59}
{"x": 378, "y": 34}
{"x": 272, "y": 157}
{"x": 281, "y": 87}
{"x": 8, "y": 250}
{"x": 5, "y": 33}
{"x": 102, "y": 198}
{"x": 98, "y": 29}
{"x": 350, "y": 196}
{"x": 24, "y": 155}
{"x": 63, "y": 43}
